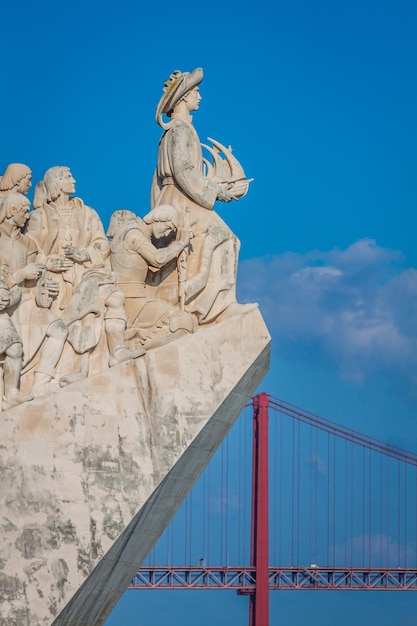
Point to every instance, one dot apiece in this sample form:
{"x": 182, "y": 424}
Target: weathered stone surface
{"x": 91, "y": 475}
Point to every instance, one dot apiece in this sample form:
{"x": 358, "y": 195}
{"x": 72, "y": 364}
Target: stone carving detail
{"x": 11, "y": 355}
{"x": 17, "y": 178}
{"x": 151, "y": 321}
{"x": 191, "y": 184}
{"x": 42, "y": 333}
{"x": 75, "y": 249}
{"x": 74, "y": 301}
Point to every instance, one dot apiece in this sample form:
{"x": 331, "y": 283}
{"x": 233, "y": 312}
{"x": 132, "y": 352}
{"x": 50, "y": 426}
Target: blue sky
{"x": 318, "y": 99}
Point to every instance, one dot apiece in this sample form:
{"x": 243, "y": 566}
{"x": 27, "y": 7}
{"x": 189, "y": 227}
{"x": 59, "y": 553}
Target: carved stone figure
{"x": 16, "y": 178}
{"x": 11, "y": 355}
{"x": 42, "y": 333}
{"x": 150, "y": 321}
{"x": 75, "y": 249}
{"x": 180, "y": 180}
{"x": 69, "y": 233}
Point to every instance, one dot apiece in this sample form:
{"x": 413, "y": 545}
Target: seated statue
{"x": 150, "y": 321}
{"x": 42, "y": 333}
{"x": 76, "y": 250}
{"x": 181, "y": 180}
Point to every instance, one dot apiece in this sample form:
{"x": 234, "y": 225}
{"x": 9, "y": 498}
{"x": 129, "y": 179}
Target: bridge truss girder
{"x": 243, "y": 579}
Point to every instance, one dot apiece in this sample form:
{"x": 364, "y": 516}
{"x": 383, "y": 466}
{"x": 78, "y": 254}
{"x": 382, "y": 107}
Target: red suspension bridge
{"x": 329, "y": 507}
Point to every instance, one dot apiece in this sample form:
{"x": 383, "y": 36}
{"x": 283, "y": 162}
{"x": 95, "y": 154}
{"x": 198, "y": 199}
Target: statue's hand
{"x": 4, "y": 300}
{"x": 33, "y": 270}
{"x": 223, "y": 194}
{"x": 58, "y": 264}
{"x": 75, "y": 254}
{"x": 52, "y": 287}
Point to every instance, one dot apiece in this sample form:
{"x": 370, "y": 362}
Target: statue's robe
{"x": 30, "y": 320}
{"x": 52, "y": 228}
{"x": 179, "y": 180}
{"x": 84, "y": 287}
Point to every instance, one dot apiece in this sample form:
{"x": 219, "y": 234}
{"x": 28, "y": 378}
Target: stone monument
{"x": 124, "y": 361}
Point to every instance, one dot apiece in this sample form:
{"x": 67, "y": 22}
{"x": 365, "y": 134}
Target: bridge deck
{"x": 242, "y": 579}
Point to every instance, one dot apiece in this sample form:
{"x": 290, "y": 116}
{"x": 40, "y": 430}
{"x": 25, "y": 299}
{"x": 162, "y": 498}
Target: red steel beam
{"x": 259, "y": 598}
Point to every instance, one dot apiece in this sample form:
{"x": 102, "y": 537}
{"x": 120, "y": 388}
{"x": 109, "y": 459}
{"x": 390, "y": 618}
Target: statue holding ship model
{"x": 192, "y": 184}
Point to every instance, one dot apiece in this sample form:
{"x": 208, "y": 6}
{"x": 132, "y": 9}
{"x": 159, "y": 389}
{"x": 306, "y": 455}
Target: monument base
{"x": 92, "y": 474}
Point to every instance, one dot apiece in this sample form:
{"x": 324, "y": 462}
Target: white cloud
{"x": 355, "y": 308}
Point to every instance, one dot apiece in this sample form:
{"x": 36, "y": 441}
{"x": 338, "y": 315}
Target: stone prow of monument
{"x": 92, "y": 474}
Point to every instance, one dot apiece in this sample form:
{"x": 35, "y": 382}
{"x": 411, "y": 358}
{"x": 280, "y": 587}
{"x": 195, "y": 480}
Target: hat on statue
{"x": 175, "y": 88}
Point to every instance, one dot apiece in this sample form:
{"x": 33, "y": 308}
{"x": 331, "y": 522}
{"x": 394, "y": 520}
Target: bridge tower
{"x": 259, "y": 555}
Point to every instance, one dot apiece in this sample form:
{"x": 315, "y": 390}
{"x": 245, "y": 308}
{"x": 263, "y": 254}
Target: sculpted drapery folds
{"x": 69, "y": 233}
{"x": 11, "y": 355}
{"x": 180, "y": 180}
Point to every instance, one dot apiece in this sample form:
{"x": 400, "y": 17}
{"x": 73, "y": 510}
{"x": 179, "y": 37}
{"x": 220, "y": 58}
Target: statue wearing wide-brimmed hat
{"x": 175, "y": 88}
{"x": 191, "y": 183}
